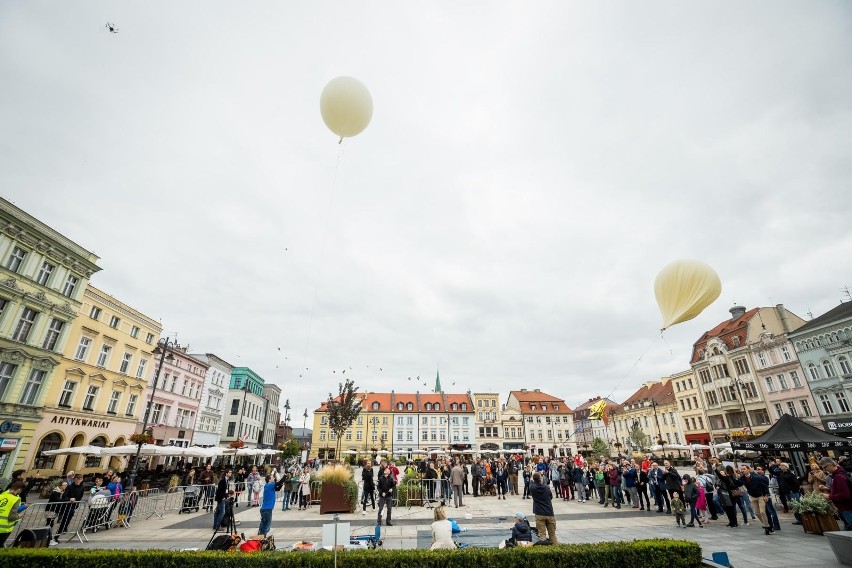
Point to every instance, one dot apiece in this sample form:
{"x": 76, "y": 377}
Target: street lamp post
{"x": 162, "y": 350}
{"x": 286, "y": 415}
{"x": 737, "y": 381}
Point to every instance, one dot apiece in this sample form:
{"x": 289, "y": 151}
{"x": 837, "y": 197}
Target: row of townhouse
{"x": 464, "y": 423}
{"x": 78, "y": 366}
{"x": 745, "y": 374}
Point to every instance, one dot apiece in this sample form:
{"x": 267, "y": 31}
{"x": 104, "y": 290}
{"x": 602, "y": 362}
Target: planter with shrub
{"x": 817, "y": 513}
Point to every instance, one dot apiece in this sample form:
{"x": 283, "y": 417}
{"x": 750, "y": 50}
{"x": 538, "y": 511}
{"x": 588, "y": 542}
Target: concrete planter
{"x": 841, "y": 544}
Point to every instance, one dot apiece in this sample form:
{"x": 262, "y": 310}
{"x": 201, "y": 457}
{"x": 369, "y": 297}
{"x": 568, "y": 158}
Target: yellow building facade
{"x": 97, "y": 395}
{"x": 42, "y": 278}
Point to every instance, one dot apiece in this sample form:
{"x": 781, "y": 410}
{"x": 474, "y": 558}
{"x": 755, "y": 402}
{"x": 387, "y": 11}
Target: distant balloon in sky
{"x": 684, "y": 288}
{"x": 346, "y": 106}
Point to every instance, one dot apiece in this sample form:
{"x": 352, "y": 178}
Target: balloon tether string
{"x": 633, "y": 366}
{"x": 340, "y": 153}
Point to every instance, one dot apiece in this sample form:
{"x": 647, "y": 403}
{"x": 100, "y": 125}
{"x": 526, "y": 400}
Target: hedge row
{"x": 657, "y": 553}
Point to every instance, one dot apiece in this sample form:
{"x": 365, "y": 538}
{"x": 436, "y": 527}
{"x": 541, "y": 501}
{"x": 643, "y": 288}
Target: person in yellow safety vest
{"x": 9, "y": 515}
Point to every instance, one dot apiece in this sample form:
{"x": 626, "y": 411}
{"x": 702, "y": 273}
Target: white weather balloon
{"x": 346, "y": 106}
{"x": 684, "y": 288}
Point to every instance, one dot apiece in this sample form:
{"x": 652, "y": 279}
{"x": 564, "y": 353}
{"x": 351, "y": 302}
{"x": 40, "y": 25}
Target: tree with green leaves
{"x": 290, "y": 449}
{"x": 599, "y": 448}
{"x": 639, "y": 440}
{"x": 342, "y": 410}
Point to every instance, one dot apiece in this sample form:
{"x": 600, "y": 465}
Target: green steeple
{"x": 438, "y": 382}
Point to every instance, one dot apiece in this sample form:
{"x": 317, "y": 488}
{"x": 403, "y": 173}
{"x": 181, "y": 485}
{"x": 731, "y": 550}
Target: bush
{"x": 647, "y": 553}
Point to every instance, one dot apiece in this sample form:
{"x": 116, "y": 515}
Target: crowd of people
{"x": 706, "y": 491}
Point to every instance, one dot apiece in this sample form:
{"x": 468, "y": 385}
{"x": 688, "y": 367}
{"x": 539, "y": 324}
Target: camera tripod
{"x": 228, "y": 524}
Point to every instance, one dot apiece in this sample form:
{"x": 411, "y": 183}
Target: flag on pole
{"x": 596, "y": 411}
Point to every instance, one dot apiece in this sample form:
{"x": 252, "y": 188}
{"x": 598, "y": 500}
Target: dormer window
{"x": 532, "y": 407}
{"x": 409, "y": 406}
{"x": 399, "y": 406}
{"x": 455, "y": 406}
{"x": 555, "y": 407}
{"x": 375, "y": 406}
{"x": 543, "y": 407}
{"x": 428, "y": 406}
{"x": 464, "y": 406}
{"x": 437, "y": 406}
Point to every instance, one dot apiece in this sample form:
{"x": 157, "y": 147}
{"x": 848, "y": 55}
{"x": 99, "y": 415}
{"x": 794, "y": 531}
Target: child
{"x": 677, "y": 509}
{"x": 701, "y": 504}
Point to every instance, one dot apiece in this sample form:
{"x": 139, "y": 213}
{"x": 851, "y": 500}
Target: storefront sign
{"x": 84, "y": 422}
{"x": 835, "y": 426}
{"x": 6, "y": 426}
{"x": 7, "y": 445}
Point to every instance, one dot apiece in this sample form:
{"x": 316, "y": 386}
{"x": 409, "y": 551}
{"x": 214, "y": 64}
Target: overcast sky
{"x": 528, "y": 170}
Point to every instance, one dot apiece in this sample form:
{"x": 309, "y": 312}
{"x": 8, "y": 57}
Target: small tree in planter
{"x": 343, "y": 410}
{"x": 339, "y": 490}
{"x": 817, "y": 513}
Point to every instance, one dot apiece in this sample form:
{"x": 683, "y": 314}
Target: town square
{"x": 423, "y": 283}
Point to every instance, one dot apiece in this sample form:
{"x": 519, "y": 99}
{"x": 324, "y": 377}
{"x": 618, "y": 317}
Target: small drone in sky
{"x": 113, "y": 29}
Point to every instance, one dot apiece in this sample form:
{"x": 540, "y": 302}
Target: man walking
{"x": 457, "y": 481}
{"x": 221, "y": 499}
{"x": 757, "y": 487}
{"x": 545, "y": 521}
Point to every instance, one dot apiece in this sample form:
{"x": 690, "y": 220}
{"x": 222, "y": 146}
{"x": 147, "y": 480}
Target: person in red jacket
{"x": 840, "y": 492}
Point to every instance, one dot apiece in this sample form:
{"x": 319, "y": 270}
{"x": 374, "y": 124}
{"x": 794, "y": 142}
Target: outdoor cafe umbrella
{"x": 130, "y": 450}
{"x": 77, "y": 450}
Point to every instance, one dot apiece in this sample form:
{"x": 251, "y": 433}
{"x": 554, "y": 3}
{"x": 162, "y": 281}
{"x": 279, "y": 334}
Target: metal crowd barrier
{"x": 187, "y": 498}
{"x": 69, "y": 516}
{"x": 107, "y": 512}
{"x": 434, "y": 491}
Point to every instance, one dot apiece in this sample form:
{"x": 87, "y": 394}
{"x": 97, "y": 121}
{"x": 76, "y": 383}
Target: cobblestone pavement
{"x": 491, "y": 522}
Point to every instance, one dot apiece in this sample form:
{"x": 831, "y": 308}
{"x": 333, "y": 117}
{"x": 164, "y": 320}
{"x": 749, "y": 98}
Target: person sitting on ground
{"x": 521, "y": 533}
{"x": 442, "y": 531}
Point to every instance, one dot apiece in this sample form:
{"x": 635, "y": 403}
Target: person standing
{"x": 457, "y": 481}
{"x": 545, "y": 521}
{"x": 268, "y": 503}
{"x": 205, "y": 480}
{"x": 304, "y": 488}
{"x": 221, "y": 498}
{"x": 72, "y": 496}
{"x": 368, "y": 489}
{"x": 840, "y": 492}
{"x": 10, "y": 501}
{"x": 476, "y": 473}
{"x": 386, "y": 492}
{"x": 512, "y": 468}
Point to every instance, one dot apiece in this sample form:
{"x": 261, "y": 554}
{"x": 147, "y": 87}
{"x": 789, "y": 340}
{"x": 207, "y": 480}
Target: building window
{"x": 813, "y": 371}
{"x": 95, "y": 312}
{"x": 826, "y": 404}
{"x": 16, "y": 259}
{"x": 235, "y": 407}
{"x": 91, "y": 396}
{"x": 778, "y": 410}
{"x": 114, "y": 321}
{"x": 149, "y": 339}
{"x": 70, "y": 285}
{"x": 794, "y": 376}
{"x": 845, "y": 368}
{"x": 782, "y": 381}
{"x": 437, "y": 406}
{"x": 428, "y": 406}
{"x": 103, "y": 356}
{"x": 44, "y": 274}
{"x": 375, "y": 406}
{"x": 842, "y": 402}
{"x": 785, "y": 354}
{"x": 67, "y": 396}
{"x": 134, "y": 331}
{"x": 53, "y": 332}
{"x": 828, "y": 368}
{"x": 25, "y": 325}
{"x": 806, "y": 407}
{"x": 770, "y": 386}
{"x": 131, "y": 404}
{"x": 114, "y": 399}
{"x": 232, "y": 426}
{"x": 791, "y": 408}
{"x": 140, "y": 370}
{"x": 464, "y": 406}
{"x": 409, "y": 406}
{"x": 7, "y": 372}
{"x": 32, "y": 387}
{"x": 358, "y": 435}
{"x": 741, "y": 366}
{"x": 712, "y": 399}
{"x": 761, "y": 358}
{"x": 125, "y": 363}
{"x": 705, "y": 377}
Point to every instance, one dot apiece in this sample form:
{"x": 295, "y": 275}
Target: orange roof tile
{"x": 726, "y": 331}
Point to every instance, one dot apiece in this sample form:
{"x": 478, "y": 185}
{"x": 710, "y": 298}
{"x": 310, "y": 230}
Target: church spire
{"x": 438, "y": 388}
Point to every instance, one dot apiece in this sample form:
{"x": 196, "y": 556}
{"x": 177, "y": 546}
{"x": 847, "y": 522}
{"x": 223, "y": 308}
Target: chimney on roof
{"x": 523, "y": 390}
{"x": 537, "y": 390}
{"x": 737, "y": 311}
{"x": 782, "y": 315}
